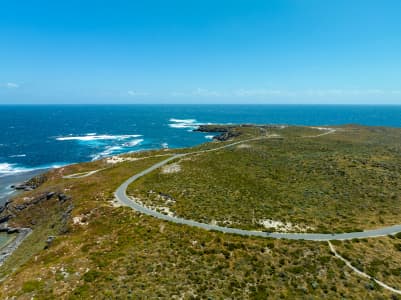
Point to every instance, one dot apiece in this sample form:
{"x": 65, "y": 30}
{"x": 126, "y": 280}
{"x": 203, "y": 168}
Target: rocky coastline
{"x": 226, "y": 132}
{"x": 11, "y": 209}
{"x": 30, "y": 184}
{"x": 9, "y": 248}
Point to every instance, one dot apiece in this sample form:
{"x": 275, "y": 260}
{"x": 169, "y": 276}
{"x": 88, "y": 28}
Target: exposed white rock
{"x": 281, "y": 226}
{"x": 171, "y": 168}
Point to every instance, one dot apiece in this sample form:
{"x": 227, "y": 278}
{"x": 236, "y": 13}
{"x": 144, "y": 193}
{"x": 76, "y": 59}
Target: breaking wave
{"x": 94, "y": 137}
{"x": 117, "y": 149}
{"x": 183, "y": 123}
{"x": 17, "y": 155}
{"x": 7, "y": 169}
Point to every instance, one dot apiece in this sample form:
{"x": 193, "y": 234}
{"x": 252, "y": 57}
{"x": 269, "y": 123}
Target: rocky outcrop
{"x": 227, "y": 132}
{"x": 226, "y": 136}
{"x": 5, "y": 218}
{"x": 10, "y": 209}
{"x": 9, "y": 230}
{"x": 65, "y": 217}
{"x": 30, "y": 184}
{"x": 49, "y": 241}
{"x": 213, "y": 128}
{"x": 63, "y": 197}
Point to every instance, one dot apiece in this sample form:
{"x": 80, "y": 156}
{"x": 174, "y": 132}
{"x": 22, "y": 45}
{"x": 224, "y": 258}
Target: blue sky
{"x": 299, "y": 51}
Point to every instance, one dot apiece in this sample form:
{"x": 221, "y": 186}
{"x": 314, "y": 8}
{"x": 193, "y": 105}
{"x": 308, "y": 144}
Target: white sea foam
{"x": 182, "y": 120}
{"x": 133, "y": 143}
{"x": 183, "y": 123}
{"x": 17, "y": 155}
{"x": 111, "y": 150}
{"x": 189, "y": 124}
{"x": 209, "y": 137}
{"x": 6, "y": 168}
{"x": 12, "y": 169}
{"x": 91, "y": 137}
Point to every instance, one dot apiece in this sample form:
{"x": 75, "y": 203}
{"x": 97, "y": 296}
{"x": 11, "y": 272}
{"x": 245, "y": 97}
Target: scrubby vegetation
{"x": 345, "y": 181}
{"x": 378, "y": 257}
{"x": 102, "y": 251}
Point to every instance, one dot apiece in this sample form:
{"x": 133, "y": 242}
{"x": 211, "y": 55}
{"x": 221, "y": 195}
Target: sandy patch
{"x": 224, "y": 223}
{"x": 213, "y": 222}
{"x": 164, "y": 210}
{"x": 119, "y": 159}
{"x": 161, "y": 209}
{"x": 282, "y": 227}
{"x": 82, "y": 174}
{"x": 244, "y": 146}
{"x": 80, "y": 220}
{"x": 323, "y": 128}
{"x": 115, "y": 203}
{"x": 171, "y": 168}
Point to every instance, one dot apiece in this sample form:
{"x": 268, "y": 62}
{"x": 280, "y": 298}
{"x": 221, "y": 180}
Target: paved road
{"x": 122, "y": 197}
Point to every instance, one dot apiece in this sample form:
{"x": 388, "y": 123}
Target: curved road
{"x": 121, "y": 196}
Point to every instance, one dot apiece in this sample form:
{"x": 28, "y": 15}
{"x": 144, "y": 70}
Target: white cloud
{"x": 11, "y": 85}
{"x": 322, "y": 93}
{"x": 200, "y": 92}
{"x": 137, "y": 94}
{"x": 262, "y": 92}
{"x": 344, "y": 92}
{"x": 206, "y": 93}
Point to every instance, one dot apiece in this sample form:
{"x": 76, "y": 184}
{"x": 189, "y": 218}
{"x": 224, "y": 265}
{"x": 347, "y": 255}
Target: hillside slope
{"x": 84, "y": 245}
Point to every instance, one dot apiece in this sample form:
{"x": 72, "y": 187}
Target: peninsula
{"x": 261, "y": 211}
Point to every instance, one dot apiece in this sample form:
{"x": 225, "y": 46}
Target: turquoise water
{"x": 4, "y": 238}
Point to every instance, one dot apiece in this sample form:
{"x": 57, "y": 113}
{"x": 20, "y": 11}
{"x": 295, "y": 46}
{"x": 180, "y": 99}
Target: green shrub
{"x": 91, "y": 275}
{"x": 32, "y": 285}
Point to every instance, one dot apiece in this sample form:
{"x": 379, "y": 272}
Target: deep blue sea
{"x": 35, "y": 137}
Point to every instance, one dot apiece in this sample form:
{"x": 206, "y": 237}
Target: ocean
{"x": 35, "y": 138}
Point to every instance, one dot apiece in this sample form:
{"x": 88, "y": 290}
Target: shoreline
{"x": 9, "y": 248}
{"x": 6, "y": 192}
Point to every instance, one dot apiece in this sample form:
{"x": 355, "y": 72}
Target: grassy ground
{"x": 121, "y": 255}
{"x": 108, "y": 252}
{"x": 51, "y": 218}
{"x": 380, "y": 257}
{"x": 346, "y": 181}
